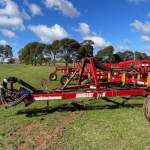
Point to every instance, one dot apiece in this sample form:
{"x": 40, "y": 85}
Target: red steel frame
{"x": 64, "y": 70}
{"x": 88, "y": 94}
{"x": 96, "y": 89}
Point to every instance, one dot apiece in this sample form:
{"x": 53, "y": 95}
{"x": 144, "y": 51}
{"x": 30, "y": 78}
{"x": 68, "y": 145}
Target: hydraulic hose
{"x": 11, "y": 97}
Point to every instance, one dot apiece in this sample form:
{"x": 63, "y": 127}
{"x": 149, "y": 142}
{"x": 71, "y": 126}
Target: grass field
{"x": 98, "y": 126}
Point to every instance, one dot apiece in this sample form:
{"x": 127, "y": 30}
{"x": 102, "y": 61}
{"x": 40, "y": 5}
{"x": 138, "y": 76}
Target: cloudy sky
{"x": 123, "y": 23}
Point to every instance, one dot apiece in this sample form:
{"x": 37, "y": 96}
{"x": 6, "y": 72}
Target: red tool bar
{"x": 89, "y": 94}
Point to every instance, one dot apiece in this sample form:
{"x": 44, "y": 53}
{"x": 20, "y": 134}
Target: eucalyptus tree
{"x": 52, "y": 50}
{"x": 68, "y": 49}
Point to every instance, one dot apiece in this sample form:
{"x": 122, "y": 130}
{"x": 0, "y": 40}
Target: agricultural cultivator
{"x": 63, "y": 69}
{"x": 66, "y": 72}
{"x": 93, "y": 80}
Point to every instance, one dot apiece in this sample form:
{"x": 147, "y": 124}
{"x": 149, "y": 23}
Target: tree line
{"x": 65, "y": 50}
{"x": 108, "y": 54}
{"x": 68, "y": 50}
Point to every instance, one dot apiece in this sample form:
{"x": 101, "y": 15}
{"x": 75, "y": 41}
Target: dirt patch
{"x": 35, "y": 137}
{"x": 29, "y": 127}
{"x": 62, "y": 123}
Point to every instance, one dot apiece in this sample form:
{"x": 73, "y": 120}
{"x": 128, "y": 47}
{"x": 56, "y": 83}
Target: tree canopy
{"x": 32, "y": 53}
{"x": 128, "y": 55}
{"x": 68, "y": 50}
{"x": 85, "y": 49}
{"x": 105, "y": 54}
{"x": 51, "y": 50}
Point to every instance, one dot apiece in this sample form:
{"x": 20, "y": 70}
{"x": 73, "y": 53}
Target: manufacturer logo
{"x": 84, "y": 95}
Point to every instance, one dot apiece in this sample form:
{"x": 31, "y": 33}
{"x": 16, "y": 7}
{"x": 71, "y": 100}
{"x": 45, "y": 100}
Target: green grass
{"x": 115, "y": 129}
{"x": 99, "y": 126}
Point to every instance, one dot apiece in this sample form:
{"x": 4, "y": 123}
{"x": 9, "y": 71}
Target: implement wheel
{"x": 146, "y": 108}
{"x": 64, "y": 79}
{"x": 53, "y": 77}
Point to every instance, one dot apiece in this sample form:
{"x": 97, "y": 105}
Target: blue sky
{"x": 125, "y": 24}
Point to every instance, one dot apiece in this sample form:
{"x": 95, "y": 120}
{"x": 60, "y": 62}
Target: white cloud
{"x": 99, "y": 42}
{"x": 119, "y": 48}
{"x": 65, "y": 6}
{"x": 11, "y": 16}
{"x": 145, "y": 38}
{"x": 8, "y": 33}
{"x": 49, "y": 34}
{"x": 10, "y": 9}
{"x": 143, "y": 27}
{"x": 84, "y": 29}
{"x": 123, "y": 46}
{"x": 137, "y": 1}
{"x": 87, "y": 34}
{"x": 13, "y": 22}
{"x": 146, "y": 50}
{"x": 35, "y": 9}
{"x": 3, "y": 42}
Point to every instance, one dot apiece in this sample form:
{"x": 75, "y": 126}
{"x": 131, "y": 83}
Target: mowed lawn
{"x": 98, "y": 125}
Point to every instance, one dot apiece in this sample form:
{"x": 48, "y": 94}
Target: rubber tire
{"x": 64, "y": 79}
{"x": 146, "y": 108}
{"x": 53, "y": 77}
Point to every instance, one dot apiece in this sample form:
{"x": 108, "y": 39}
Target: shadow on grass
{"x": 34, "y": 112}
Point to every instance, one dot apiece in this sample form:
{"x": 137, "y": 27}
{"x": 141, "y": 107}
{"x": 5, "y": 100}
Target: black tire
{"x": 64, "y": 79}
{"x": 146, "y": 108}
{"x": 53, "y": 77}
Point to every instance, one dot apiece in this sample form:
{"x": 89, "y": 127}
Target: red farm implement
{"x": 63, "y": 70}
{"x": 131, "y": 78}
{"x": 66, "y": 72}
